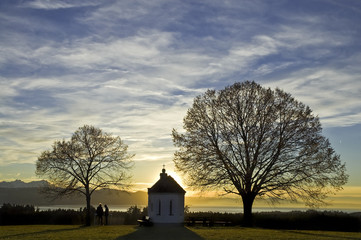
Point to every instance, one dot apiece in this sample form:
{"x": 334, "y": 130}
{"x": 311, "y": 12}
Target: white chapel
{"x": 166, "y": 200}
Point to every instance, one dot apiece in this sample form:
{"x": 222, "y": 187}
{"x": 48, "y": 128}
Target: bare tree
{"x": 90, "y": 160}
{"x": 253, "y": 141}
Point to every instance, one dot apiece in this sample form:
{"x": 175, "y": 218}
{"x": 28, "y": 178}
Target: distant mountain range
{"x": 19, "y": 192}
{"x": 21, "y": 184}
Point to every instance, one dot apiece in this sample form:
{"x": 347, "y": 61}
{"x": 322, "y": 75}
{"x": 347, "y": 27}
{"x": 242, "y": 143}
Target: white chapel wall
{"x": 171, "y": 207}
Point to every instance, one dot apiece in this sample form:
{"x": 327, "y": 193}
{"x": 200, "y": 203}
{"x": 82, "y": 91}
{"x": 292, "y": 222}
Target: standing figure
{"x": 106, "y": 214}
{"x": 100, "y": 214}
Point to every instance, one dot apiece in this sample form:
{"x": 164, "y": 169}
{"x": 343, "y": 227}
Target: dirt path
{"x": 162, "y": 233}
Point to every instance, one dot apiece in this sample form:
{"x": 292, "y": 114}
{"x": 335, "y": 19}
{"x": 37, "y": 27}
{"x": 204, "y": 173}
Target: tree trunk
{"x": 88, "y": 210}
{"x": 248, "y": 200}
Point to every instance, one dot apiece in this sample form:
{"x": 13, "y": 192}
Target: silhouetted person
{"x": 106, "y": 214}
{"x": 100, "y": 213}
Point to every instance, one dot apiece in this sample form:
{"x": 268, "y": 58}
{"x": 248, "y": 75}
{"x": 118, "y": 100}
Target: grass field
{"x": 118, "y": 232}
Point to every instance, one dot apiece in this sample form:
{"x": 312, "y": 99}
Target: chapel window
{"x": 171, "y": 207}
{"x": 159, "y": 207}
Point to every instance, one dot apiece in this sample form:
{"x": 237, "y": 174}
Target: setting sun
{"x": 177, "y": 178}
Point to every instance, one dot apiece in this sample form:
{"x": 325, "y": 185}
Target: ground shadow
{"x": 23, "y": 235}
{"x": 165, "y": 232}
{"x": 323, "y": 234}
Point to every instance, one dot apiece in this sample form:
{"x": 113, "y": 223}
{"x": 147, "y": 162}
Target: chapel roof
{"x": 166, "y": 184}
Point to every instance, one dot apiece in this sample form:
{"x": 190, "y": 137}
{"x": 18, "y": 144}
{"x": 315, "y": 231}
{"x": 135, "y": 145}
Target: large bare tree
{"x": 254, "y": 141}
{"x": 90, "y": 160}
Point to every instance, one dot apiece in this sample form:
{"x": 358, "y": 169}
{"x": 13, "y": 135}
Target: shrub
{"x": 133, "y": 214}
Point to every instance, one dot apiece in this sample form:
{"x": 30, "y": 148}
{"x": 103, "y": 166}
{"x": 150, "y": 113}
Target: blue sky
{"x": 133, "y": 68}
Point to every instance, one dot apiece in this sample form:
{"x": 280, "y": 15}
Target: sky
{"x": 133, "y": 68}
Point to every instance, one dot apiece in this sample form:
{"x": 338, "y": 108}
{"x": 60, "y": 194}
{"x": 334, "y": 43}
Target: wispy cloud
{"x": 133, "y": 67}
{"x": 333, "y": 95}
{"x": 51, "y": 5}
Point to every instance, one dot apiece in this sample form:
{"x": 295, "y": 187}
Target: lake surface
{"x": 228, "y": 209}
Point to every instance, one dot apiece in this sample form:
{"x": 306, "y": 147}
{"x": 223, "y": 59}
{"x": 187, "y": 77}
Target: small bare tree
{"x": 90, "y": 160}
{"x": 254, "y": 141}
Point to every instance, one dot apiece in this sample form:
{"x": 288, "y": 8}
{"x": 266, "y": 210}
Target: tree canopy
{"x": 255, "y": 141}
{"x": 90, "y": 160}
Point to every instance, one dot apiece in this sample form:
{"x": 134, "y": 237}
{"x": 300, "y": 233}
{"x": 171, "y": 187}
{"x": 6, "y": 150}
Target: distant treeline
{"x": 300, "y": 220}
{"x": 20, "y": 215}
{"x": 27, "y": 214}
{"x": 308, "y": 220}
